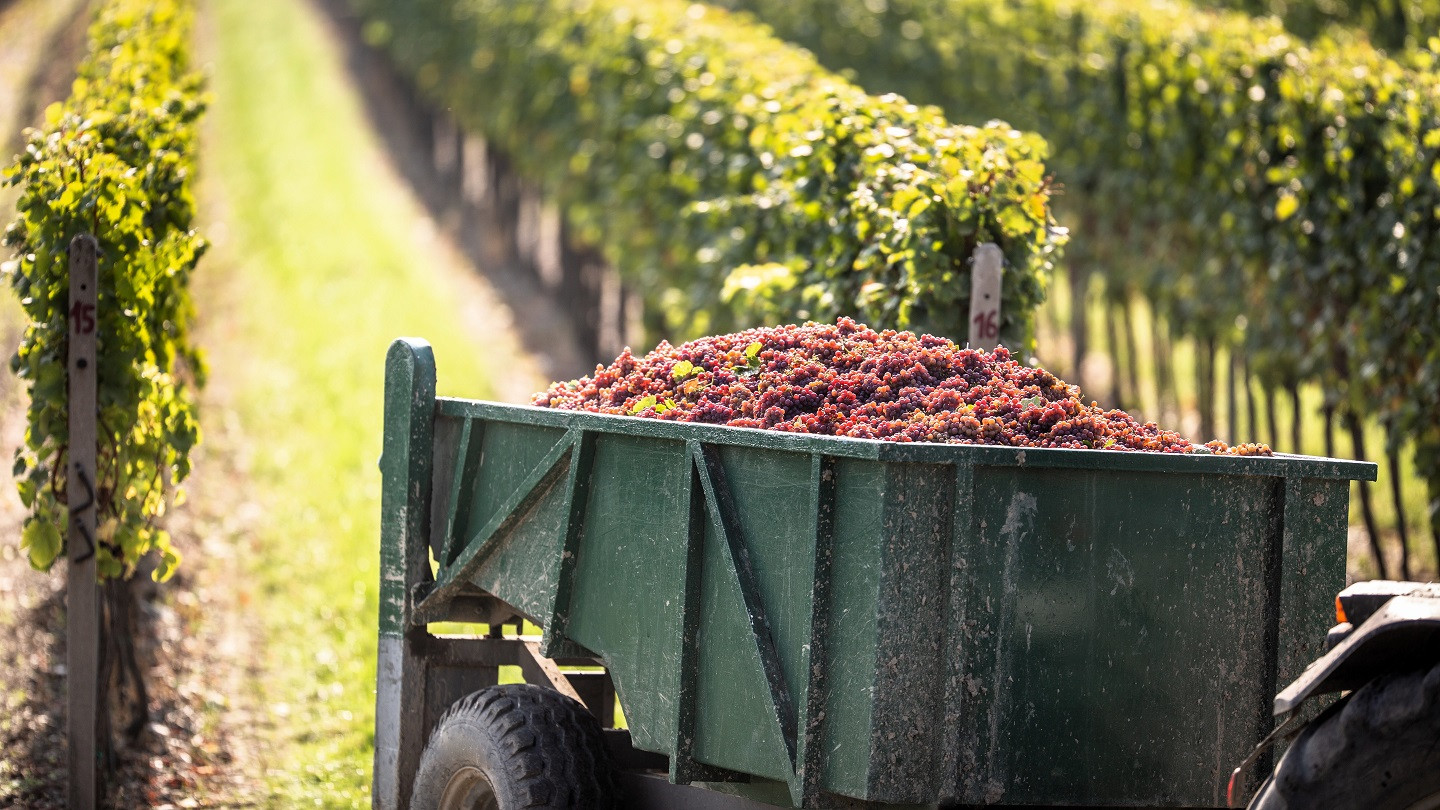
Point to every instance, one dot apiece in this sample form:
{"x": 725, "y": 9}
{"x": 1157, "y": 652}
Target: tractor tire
{"x": 1377, "y": 749}
{"x": 516, "y": 747}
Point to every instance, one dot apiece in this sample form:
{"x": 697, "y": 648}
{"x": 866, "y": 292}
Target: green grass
{"x": 315, "y": 270}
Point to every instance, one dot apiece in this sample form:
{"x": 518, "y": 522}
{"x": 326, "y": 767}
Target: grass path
{"x": 321, "y": 259}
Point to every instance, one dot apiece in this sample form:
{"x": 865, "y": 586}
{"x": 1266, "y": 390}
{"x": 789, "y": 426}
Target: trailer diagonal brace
{"x": 722, "y": 512}
{"x": 479, "y": 548}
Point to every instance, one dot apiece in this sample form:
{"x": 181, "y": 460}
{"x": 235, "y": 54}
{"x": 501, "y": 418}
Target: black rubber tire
{"x": 1378, "y": 749}
{"x": 533, "y": 747}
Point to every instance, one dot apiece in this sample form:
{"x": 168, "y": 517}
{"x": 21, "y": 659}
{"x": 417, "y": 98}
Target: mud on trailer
{"x": 813, "y": 621}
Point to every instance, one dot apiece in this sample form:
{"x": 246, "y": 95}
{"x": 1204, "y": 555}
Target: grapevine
{"x": 114, "y": 160}
{"x": 1392, "y": 24}
{"x": 724, "y": 173}
{"x": 846, "y": 379}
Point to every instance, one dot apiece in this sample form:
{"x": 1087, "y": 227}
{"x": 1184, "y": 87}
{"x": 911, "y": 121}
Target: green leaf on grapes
{"x": 752, "y": 364}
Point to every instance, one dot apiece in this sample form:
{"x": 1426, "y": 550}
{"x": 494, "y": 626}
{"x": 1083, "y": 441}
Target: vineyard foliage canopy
{"x": 726, "y": 175}
{"x": 114, "y": 160}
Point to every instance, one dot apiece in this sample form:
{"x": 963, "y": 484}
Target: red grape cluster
{"x": 846, "y": 379}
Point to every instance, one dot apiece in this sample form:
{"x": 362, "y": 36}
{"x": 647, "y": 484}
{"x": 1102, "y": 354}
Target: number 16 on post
{"x": 987, "y": 267}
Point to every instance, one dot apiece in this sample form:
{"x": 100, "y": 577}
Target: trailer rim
{"x": 469, "y": 789}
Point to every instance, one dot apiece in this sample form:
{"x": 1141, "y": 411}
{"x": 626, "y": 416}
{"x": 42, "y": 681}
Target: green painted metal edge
{"x": 725, "y": 523}
{"x": 577, "y": 496}
{"x": 405, "y": 465}
{"x": 479, "y": 548}
{"x": 916, "y": 452}
{"x": 683, "y": 768}
{"x": 814, "y": 656}
{"x": 472, "y": 435}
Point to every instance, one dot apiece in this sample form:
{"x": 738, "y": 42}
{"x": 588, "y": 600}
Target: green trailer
{"x": 813, "y": 621}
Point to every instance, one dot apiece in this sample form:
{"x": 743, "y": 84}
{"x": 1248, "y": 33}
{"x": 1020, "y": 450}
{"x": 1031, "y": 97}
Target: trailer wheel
{"x": 515, "y": 746}
{"x": 1379, "y": 748}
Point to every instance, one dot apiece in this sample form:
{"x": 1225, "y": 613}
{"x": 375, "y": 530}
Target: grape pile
{"x": 846, "y": 379}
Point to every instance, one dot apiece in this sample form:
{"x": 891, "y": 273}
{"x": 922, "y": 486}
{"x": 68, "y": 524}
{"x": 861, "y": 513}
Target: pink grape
{"x": 845, "y": 379}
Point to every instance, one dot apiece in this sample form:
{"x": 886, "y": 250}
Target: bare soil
{"x": 193, "y": 751}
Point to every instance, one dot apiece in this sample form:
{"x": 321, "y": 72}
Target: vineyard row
{"x": 727, "y": 176}
{"x": 114, "y": 160}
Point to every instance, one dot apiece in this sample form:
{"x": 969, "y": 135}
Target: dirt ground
{"x": 195, "y": 750}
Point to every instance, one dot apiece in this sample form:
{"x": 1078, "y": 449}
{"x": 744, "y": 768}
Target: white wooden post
{"x": 82, "y": 599}
{"x": 987, "y": 267}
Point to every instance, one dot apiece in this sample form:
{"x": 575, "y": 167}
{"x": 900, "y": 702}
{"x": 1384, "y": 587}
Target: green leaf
{"x": 1030, "y": 172}
{"x": 168, "y": 562}
{"x": 42, "y": 540}
{"x": 26, "y": 488}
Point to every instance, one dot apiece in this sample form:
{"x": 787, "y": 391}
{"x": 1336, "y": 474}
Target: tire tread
{"x": 553, "y": 749}
{"x": 1374, "y": 749}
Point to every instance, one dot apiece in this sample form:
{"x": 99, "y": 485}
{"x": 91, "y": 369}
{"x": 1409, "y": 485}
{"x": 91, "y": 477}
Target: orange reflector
{"x": 1340, "y": 612}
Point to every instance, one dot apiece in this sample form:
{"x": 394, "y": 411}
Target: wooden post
{"x": 82, "y": 599}
{"x": 986, "y": 269}
{"x": 406, "y": 468}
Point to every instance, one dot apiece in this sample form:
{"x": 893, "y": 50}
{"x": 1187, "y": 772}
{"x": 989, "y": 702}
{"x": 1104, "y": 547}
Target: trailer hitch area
{"x": 1383, "y": 626}
{"x": 1285, "y": 729}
